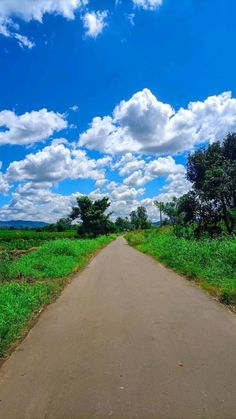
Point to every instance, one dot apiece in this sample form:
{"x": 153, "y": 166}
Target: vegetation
{"x": 138, "y": 221}
{"x": 210, "y": 206}
{"x": 25, "y": 239}
{"x": 93, "y": 217}
{"x": 212, "y": 262}
{"x": 33, "y": 280}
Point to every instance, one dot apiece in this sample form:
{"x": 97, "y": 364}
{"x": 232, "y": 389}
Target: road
{"x": 127, "y": 339}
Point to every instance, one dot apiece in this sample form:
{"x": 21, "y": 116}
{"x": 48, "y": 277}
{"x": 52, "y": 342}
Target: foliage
{"x": 213, "y": 261}
{"x": 122, "y": 224}
{"x": 139, "y": 219}
{"x": 210, "y": 207}
{"x": 63, "y": 224}
{"x": 93, "y": 217}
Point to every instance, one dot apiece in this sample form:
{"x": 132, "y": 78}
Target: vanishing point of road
{"x": 127, "y": 339}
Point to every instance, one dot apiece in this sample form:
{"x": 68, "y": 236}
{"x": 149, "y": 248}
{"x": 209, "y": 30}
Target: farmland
{"x": 30, "y": 281}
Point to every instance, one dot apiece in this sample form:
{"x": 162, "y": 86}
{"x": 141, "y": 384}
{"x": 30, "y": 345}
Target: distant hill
{"x": 22, "y": 224}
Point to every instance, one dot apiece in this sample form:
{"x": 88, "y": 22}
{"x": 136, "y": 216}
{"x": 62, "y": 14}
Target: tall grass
{"x": 212, "y": 262}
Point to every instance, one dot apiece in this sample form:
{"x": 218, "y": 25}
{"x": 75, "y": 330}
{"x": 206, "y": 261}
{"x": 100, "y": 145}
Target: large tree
{"x": 212, "y": 171}
{"x": 212, "y": 200}
{"x": 92, "y": 215}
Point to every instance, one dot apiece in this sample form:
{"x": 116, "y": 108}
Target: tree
{"x": 63, "y": 224}
{"x": 139, "y": 219}
{"x": 122, "y": 224}
{"x": 93, "y": 217}
{"x": 212, "y": 171}
{"x": 160, "y": 205}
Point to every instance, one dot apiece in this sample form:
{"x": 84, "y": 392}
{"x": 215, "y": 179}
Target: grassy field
{"x": 212, "y": 263}
{"x": 34, "y": 280}
{"x": 25, "y": 239}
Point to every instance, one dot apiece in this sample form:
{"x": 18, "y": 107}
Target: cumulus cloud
{"x": 176, "y": 186}
{"x": 94, "y": 23}
{"x": 30, "y": 127}
{"x": 145, "y": 125}
{"x": 55, "y": 163}
{"x": 37, "y": 202}
{"x": 148, "y": 4}
{"x": 163, "y": 166}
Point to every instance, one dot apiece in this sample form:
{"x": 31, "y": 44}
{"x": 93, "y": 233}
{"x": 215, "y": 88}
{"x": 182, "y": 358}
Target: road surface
{"x": 127, "y": 339}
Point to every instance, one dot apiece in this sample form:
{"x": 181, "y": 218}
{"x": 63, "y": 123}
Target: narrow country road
{"x": 127, "y": 339}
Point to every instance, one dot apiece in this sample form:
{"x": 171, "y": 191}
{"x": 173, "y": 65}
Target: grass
{"x": 34, "y": 280}
{"x": 25, "y": 239}
{"x": 212, "y": 263}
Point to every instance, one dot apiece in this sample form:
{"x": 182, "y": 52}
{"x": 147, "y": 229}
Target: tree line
{"x": 209, "y": 208}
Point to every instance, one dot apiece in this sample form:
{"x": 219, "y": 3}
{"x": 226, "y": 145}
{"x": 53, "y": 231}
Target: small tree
{"x": 139, "y": 219}
{"x": 122, "y": 224}
{"x": 93, "y": 219}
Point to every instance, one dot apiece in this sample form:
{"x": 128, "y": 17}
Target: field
{"x": 211, "y": 263}
{"x": 25, "y": 239}
{"x": 29, "y": 282}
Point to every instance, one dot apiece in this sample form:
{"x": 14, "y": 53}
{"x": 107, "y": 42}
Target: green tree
{"x": 139, "y": 219}
{"x": 212, "y": 171}
{"x": 92, "y": 216}
{"x": 63, "y": 224}
{"x": 122, "y": 224}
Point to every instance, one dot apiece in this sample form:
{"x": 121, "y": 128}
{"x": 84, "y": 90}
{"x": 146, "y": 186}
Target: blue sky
{"x": 108, "y": 98}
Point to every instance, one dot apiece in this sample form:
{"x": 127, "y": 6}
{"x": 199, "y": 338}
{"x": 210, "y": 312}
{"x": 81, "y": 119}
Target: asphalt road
{"x": 127, "y": 339}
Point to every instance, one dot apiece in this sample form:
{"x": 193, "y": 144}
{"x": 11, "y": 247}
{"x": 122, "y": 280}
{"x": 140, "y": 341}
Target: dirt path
{"x": 127, "y": 339}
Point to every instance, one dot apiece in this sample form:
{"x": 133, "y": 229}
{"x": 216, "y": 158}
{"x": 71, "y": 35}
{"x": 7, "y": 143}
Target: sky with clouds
{"x": 108, "y": 98}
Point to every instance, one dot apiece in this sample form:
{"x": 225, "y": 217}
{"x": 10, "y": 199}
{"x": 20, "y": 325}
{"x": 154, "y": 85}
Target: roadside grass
{"x": 34, "y": 280}
{"x": 211, "y": 263}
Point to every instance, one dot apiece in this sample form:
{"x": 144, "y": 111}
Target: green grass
{"x": 25, "y": 239}
{"x": 46, "y": 268}
{"x": 210, "y": 262}
{"x": 18, "y": 303}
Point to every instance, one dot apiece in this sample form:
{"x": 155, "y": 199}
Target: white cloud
{"x": 36, "y": 9}
{"x": 4, "y": 185}
{"x": 30, "y": 127}
{"x": 137, "y": 178}
{"x": 94, "y": 23}
{"x": 56, "y": 163}
{"x": 163, "y": 166}
{"x": 28, "y": 10}
{"x": 129, "y": 163}
{"x": 177, "y": 185}
{"x": 148, "y": 4}
{"x": 145, "y": 125}
{"x": 8, "y": 29}
{"x": 124, "y": 193}
{"x": 37, "y": 202}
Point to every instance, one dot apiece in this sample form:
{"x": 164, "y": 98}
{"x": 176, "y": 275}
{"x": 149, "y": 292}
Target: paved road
{"x": 127, "y": 339}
